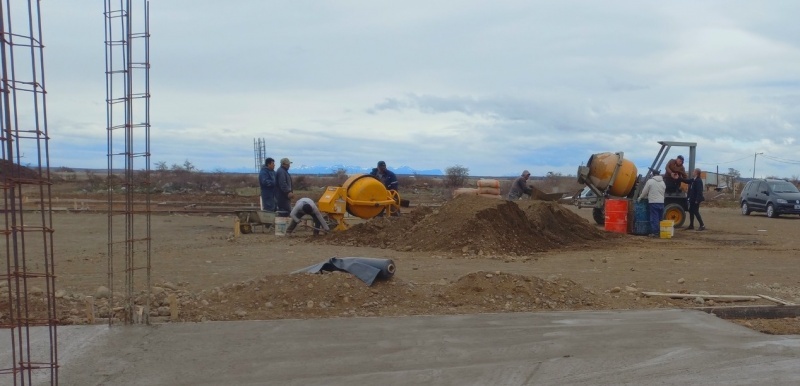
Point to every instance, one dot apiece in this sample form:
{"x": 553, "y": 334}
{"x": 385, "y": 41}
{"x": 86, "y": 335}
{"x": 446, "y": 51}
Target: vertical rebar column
{"x": 27, "y": 293}
{"x": 127, "y": 44}
{"x": 260, "y": 150}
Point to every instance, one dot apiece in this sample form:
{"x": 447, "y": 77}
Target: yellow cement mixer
{"x": 608, "y": 174}
{"x": 362, "y": 196}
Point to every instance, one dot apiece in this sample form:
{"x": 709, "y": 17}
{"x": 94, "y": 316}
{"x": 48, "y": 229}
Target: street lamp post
{"x": 754, "y": 163}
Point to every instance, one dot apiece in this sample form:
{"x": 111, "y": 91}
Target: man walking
{"x": 266, "y": 179}
{"x": 283, "y": 181}
{"x": 654, "y": 192}
{"x": 695, "y": 197}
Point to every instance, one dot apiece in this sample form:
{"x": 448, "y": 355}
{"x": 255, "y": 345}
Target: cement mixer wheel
{"x": 599, "y": 216}
{"x": 245, "y": 228}
{"x": 676, "y": 213}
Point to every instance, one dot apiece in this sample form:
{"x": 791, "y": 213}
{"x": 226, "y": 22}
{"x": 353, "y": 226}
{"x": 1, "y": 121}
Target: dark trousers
{"x": 284, "y": 204}
{"x": 694, "y": 211}
{"x": 672, "y": 185}
{"x": 656, "y": 213}
{"x": 268, "y": 201}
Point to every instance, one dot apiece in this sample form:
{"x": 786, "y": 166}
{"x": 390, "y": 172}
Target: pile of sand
{"x": 476, "y": 225}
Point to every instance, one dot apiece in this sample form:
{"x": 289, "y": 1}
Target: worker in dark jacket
{"x": 520, "y": 186}
{"x": 266, "y": 179}
{"x": 674, "y": 174}
{"x": 386, "y": 176}
{"x": 284, "y": 192}
{"x": 695, "y": 197}
{"x": 388, "y": 179}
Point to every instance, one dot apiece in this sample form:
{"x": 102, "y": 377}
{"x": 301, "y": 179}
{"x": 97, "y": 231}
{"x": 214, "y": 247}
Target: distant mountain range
{"x": 350, "y": 169}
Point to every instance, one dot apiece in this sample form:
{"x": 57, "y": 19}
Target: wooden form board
{"x": 753, "y": 312}
{"x": 719, "y": 298}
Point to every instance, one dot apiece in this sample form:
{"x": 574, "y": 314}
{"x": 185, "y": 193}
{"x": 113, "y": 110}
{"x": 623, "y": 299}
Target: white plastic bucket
{"x": 281, "y": 223}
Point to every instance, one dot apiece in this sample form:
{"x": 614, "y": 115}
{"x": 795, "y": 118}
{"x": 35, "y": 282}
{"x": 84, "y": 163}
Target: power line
{"x": 723, "y": 163}
{"x": 782, "y": 160}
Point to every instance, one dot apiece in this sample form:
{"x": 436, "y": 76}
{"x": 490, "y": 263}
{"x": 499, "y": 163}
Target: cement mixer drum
{"x": 602, "y": 168}
{"x": 361, "y": 196}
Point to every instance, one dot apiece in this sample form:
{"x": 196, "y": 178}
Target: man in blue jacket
{"x": 266, "y": 178}
{"x": 386, "y": 176}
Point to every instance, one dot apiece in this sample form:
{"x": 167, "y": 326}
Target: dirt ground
{"x": 466, "y": 256}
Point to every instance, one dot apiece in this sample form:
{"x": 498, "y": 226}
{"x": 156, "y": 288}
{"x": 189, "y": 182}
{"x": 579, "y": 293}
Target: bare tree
{"x": 456, "y": 176}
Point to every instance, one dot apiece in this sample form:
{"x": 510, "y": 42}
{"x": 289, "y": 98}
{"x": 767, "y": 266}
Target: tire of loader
{"x": 599, "y": 215}
{"x": 675, "y": 213}
{"x": 245, "y": 228}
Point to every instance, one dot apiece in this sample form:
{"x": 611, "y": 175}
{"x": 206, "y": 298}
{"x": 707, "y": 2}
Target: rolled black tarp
{"x": 365, "y": 268}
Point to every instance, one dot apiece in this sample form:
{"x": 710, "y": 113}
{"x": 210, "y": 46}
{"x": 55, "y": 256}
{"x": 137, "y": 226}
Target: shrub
{"x": 456, "y": 176}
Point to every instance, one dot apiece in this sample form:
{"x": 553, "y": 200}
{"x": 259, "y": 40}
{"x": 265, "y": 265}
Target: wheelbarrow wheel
{"x": 245, "y": 228}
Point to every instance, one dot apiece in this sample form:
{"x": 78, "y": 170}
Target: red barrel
{"x": 616, "y": 215}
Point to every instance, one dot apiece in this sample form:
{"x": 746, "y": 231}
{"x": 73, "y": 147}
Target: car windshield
{"x": 783, "y": 187}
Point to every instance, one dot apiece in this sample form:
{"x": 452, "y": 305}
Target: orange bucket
{"x": 616, "y": 218}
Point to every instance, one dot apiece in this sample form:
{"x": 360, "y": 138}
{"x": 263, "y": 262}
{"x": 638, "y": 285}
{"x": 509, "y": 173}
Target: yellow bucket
{"x": 667, "y": 229}
{"x": 281, "y": 223}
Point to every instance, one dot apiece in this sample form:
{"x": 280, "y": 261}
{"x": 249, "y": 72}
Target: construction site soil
{"x": 472, "y": 254}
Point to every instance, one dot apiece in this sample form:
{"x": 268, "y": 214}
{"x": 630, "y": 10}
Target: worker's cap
{"x": 381, "y": 163}
{"x": 285, "y": 161}
{"x": 526, "y": 173}
{"x": 680, "y": 157}
{"x": 656, "y": 172}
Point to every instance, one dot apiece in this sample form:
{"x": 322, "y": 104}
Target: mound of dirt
{"x": 381, "y": 232}
{"x": 481, "y": 290}
{"x": 10, "y": 169}
{"x": 339, "y": 294}
{"x": 476, "y": 225}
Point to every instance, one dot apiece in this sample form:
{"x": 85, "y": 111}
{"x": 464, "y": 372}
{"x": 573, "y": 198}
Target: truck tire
{"x": 675, "y": 213}
{"x": 599, "y": 216}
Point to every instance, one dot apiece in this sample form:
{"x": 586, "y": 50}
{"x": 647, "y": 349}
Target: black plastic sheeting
{"x": 365, "y": 268}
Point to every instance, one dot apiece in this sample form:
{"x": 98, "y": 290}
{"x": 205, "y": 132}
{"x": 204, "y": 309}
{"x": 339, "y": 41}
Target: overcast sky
{"x": 496, "y": 86}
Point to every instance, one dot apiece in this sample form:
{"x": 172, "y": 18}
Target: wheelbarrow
{"x": 538, "y": 194}
{"x": 249, "y": 219}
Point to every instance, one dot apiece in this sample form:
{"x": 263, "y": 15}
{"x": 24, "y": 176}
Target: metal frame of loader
{"x": 675, "y": 204}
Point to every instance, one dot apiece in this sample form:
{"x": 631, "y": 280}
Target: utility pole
{"x": 754, "y": 163}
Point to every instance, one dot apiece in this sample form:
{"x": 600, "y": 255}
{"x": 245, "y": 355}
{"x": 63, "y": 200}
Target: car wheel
{"x": 745, "y": 208}
{"x": 771, "y": 213}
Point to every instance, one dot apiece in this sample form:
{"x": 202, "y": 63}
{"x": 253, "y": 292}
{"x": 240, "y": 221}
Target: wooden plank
{"x": 90, "y": 309}
{"x": 721, "y": 298}
{"x": 753, "y": 312}
{"x": 173, "y": 308}
{"x": 777, "y": 300}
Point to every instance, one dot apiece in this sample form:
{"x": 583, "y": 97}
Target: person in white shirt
{"x": 653, "y": 191}
{"x": 303, "y": 207}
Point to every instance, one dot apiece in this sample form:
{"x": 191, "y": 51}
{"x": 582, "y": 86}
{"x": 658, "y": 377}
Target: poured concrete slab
{"x": 560, "y": 348}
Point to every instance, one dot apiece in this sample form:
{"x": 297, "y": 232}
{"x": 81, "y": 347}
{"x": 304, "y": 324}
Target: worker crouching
{"x": 303, "y": 207}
